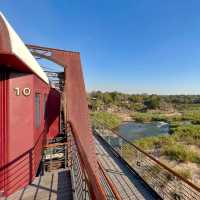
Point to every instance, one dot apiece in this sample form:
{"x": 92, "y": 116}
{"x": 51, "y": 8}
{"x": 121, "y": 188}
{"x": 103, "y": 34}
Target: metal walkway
{"x": 128, "y": 184}
{"x": 52, "y": 186}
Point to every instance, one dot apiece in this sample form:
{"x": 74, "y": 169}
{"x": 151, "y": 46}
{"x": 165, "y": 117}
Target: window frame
{"x": 37, "y": 110}
{"x": 45, "y": 106}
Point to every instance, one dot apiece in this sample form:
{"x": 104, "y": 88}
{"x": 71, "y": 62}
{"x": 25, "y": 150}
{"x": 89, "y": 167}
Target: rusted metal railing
{"x": 110, "y": 190}
{"x": 81, "y": 183}
{"x": 80, "y": 180}
{"x": 166, "y": 182}
{"x": 81, "y": 147}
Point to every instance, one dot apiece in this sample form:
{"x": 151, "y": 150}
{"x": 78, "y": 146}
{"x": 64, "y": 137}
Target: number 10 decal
{"x": 25, "y": 91}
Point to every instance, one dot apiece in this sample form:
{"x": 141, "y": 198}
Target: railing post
{"x": 177, "y": 195}
{"x": 65, "y": 157}
{"x": 103, "y": 131}
{"x": 83, "y": 188}
{"x": 138, "y": 159}
{"x": 69, "y": 149}
{"x": 121, "y": 146}
{"x": 43, "y": 161}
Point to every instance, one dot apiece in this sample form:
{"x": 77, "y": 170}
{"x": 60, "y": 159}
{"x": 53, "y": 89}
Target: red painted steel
{"x": 21, "y": 142}
{"x": 3, "y": 126}
{"x": 109, "y": 182}
{"x": 95, "y": 189}
{"x": 53, "y": 113}
{"x": 76, "y": 110}
{"x": 77, "y": 114}
{"x": 24, "y": 139}
{"x": 5, "y": 45}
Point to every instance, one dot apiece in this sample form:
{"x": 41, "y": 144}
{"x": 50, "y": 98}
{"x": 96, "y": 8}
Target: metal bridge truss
{"x": 89, "y": 179}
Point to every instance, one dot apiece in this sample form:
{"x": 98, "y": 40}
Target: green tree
{"x": 107, "y": 98}
{"x": 152, "y": 102}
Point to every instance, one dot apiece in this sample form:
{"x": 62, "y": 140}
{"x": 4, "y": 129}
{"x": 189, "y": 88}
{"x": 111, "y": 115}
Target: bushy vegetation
{"x": 142, "y": 117}
{"x": 153, "y": 102}
{"x": 109, "y": 119}
{"x": 190, "y": 112}
{"x": 182, "y": 112}
{"x": 193, "y": 116}
{"x": 188, "y": 106}
{"x": 185, "y": 173}
{"x": 100, "y": 101}
{"x": 189, "y": 134}
{"x": 149, "y": 117}
{"x": 181, "y": 153}
{"x": 175, "y": 146}
{"x": 153, "y": 142}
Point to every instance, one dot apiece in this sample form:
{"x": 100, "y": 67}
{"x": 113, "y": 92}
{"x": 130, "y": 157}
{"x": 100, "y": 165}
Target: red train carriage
{"x": 29, "y": 111}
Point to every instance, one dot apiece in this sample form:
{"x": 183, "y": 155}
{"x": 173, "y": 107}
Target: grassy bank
{"x": 175, "y": 146}
{"x": 109, "y": 119}
{"x": 179, "y": 151}
{"x": 149, "y": 117}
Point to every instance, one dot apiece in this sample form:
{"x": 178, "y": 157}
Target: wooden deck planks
{"x": 52, "y": 186}
{"x": 129, "y": 185}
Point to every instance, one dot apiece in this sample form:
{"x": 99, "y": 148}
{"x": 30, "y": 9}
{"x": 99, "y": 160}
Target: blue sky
{"x": 133, "y": 46}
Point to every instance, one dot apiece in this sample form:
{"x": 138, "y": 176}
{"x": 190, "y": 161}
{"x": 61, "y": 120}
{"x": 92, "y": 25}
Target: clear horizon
{"x": 128, "y": 46}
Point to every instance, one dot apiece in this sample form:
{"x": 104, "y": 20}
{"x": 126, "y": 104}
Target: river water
{"x": 134, "y": 131}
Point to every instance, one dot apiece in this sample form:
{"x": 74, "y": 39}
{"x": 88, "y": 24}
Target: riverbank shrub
{"x": 111, "y": 120}
{"x": 142, "y": 117}
{"x": 189, "y": 133}
{"x": 150, "y": 116}
{"x": 147, "y": 143}
{"x": 153, "y": 142}
{"x": 180, "y": 153}
{"x": 128, "y": 153}
{"x": 193, "y": 116}
{"x": 185, "y": 173}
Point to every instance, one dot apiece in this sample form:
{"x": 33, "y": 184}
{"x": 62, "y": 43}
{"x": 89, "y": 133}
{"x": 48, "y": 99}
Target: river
{"x": 134, "y": 131}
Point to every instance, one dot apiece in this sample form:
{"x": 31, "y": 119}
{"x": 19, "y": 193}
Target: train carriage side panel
{"x": 41, "y": 91}
{"x": 20, "y": 142}
{"x": 3, "y": 127}
{"x": 20, "y": 131}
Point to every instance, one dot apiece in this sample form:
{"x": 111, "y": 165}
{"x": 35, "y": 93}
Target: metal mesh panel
{"x": 167, "y": 183}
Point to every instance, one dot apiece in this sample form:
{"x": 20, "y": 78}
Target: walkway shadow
{"x": 126, "y": 170}
{"x": 52, "y": 186}
{"x": 64, "y": 190}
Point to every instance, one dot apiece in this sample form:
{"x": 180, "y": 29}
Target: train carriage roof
{"x": 11, "y": 46}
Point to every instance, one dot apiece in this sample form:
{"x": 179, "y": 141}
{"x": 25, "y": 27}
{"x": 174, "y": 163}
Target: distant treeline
{"x": 139, "y": 102}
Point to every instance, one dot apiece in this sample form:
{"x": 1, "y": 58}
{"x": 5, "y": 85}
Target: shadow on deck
{"x": 128, "y": 183}
{"x": 52, "y": 186}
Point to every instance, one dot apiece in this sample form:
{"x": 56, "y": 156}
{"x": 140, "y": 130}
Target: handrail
{"x": 96, "y": 191}
{"x": 100, "y": 192}
{"x": 112, "y": 187}
{"x": 160, "y": 164}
